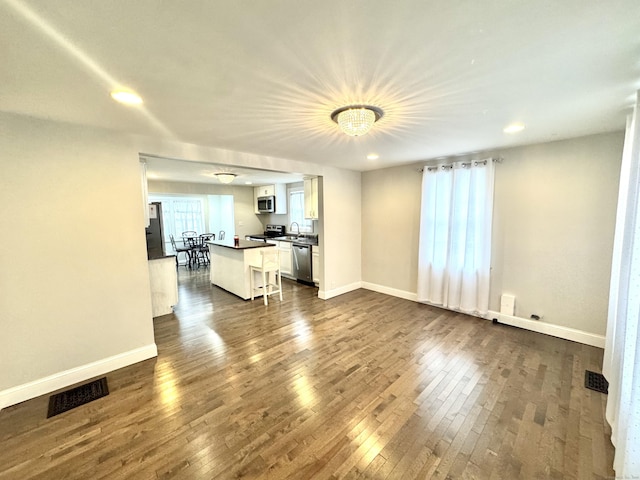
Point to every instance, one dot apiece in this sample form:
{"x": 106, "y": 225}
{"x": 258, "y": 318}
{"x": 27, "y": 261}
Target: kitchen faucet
{"x": 298, "y": 228}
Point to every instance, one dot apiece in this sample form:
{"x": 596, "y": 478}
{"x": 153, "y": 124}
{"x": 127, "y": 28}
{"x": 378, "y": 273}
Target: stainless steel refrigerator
{"x": 155, "y": 233}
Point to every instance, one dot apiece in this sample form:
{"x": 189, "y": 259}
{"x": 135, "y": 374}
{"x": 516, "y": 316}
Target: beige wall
{"x": 246, "y": 221}
{"x": 390, "y": 227}
{"x": 74, "y": 283}
{"x": 554, "y": 221}
{"x": 554, "y": 217}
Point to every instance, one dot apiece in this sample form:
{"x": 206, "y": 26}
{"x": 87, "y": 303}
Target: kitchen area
{"x": 291, "y": 214}
{"x": 296, "y": 242}
{"x": 299, "y": 252}
{"x": 281, "y": 214}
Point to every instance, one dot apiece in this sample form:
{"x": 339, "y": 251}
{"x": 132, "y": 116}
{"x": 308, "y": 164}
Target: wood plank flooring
{"x": 360, "y": 386}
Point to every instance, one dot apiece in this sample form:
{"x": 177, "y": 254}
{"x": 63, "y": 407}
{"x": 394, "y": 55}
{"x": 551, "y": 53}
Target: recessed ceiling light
{"x": 513, "y": 128}
{"x": 248, "y": 183}
{"x": 126, "y": 97}
{"x": 373, "y": 156}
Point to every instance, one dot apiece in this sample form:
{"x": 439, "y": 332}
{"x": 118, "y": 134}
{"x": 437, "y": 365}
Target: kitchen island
{"x": 230, "y": 265}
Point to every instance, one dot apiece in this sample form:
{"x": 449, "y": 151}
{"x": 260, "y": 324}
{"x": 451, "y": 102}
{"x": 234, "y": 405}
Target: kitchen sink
{"x": 298, "y": 239}
{"x": 289, "y": 237}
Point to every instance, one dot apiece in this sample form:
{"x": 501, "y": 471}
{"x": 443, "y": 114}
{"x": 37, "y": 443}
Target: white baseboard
{"x": 394, "y": 292}
{"x": 63, "y": 379}
{"x": 327, "y": 294}
{"x": 560, "y": 331}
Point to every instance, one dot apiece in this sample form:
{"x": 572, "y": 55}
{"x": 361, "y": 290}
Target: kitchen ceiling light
{"x": 356, "y": 120}
{"x": 226, "y": 177}
{"x": 514, "y": 128}
{"x": 373, "y": 156}
{"x": 126, "y": 97}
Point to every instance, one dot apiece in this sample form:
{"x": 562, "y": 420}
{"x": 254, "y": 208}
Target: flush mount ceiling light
{"x": 225, "y": 177}
{"x": 513, "y": 128}
{"x": 356, "y": 120}
{"x": 126, "y": 97}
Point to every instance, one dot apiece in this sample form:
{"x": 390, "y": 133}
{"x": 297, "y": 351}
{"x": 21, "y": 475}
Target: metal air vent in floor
{"x": 74, "y": 397}
{"x": 596, "y": 381}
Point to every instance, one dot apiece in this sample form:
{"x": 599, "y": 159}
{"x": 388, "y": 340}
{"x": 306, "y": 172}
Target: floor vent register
{"x": 74, "y": 397}
{"x": 596, "y": 381}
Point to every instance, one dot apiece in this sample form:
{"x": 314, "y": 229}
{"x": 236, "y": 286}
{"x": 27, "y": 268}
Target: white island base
{"x": 230, "y": 266}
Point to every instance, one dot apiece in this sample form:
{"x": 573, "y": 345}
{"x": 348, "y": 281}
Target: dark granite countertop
{"x": 242, "y": 245}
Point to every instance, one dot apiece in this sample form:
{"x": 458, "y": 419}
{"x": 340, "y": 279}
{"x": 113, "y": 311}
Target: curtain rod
{"x": 464, "y": 164}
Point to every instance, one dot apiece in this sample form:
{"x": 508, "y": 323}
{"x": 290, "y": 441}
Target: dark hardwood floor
{"x": 360, "y": 386}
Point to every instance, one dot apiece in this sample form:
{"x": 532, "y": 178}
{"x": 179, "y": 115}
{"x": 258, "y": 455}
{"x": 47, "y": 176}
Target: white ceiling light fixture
{"x": 127, "y": 97}
{"x": 356, "y": 120}
{"x": 513, "y": 128}
{"x": 373, "y": 156}
{"x": 225, "y": 177}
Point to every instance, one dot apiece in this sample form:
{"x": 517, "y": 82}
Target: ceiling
{"x": 264, "y": 76}
{"x": 172, "y": 170}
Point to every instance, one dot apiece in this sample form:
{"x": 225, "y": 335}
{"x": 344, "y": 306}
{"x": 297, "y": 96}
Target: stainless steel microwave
{"x": 267, "y": 204}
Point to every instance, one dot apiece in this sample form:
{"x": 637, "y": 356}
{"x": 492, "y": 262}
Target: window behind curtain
{"x": 296, "y": 210}
{"x": 187, "y": 215}
{"x": 454, "y": 258}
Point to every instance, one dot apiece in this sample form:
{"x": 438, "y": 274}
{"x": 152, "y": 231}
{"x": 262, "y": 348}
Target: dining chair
{"x": 179, "y": 250}
{"x": 190, "y": 237}
{"x": 202, "y": 250}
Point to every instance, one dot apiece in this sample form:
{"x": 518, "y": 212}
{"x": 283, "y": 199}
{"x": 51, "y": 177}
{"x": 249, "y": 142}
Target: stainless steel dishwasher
{"x": 302, "y": 263}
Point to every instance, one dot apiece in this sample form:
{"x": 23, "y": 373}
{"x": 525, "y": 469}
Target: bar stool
{"x": 270, "y": 264}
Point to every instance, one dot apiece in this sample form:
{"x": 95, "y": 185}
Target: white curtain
{"x": 454, "y": 258}
{"x": 622, "y": 348}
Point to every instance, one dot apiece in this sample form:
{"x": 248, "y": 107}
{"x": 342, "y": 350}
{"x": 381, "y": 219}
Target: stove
{"x": 274, "y": 231}
{"x": 270, "y": 232}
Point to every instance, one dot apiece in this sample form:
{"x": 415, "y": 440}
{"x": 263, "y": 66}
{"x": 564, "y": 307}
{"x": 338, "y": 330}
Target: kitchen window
{"x": 296, "y": 210}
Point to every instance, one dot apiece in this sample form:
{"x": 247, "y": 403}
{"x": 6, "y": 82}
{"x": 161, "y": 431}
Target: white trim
{"x": 327, "y": 294}
{"x": 59, "y": 380}
{"x": 394, "y": 292}
{"x": 560, "y": 331}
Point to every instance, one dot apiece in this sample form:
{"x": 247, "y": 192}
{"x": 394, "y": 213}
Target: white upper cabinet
{"x": 311, "y": 198}
{"x": 265, "y": 191}
{"x": 279, "y": 191}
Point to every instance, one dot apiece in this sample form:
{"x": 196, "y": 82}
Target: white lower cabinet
{"x": 315, "y": 264}
{"x": 286, "y": 266}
